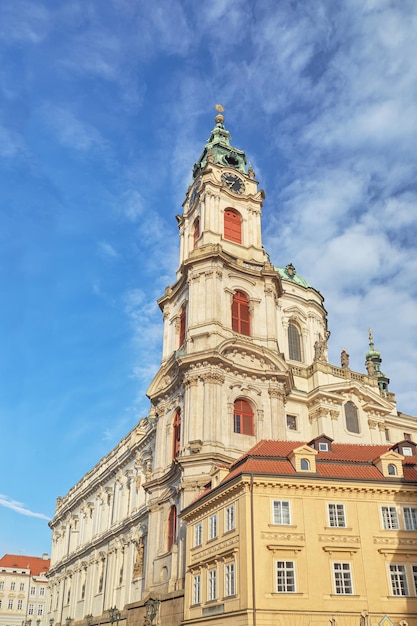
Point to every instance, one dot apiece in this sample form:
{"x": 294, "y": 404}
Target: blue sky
{"x": 104, "y": 108}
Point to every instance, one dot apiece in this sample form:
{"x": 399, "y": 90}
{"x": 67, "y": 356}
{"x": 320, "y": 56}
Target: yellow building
{"x": 314, "y": 534}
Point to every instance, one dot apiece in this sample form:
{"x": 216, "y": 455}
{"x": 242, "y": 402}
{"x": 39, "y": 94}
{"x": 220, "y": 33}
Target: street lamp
{"x": 114, "y": 615}
{"x": 152, "y": 606}
{"x": 68, "y": 621}
{"x": 89, "y": 619}
{"x": 51, "y": 621}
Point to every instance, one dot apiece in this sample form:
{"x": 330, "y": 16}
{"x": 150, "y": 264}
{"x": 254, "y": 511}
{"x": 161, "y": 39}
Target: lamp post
{"x": 152, "y": 606}
{"x": 68, "y": 621}
{"x": 89, "y": 619}
{"x": 51, "y": 621}
{"x": 115, "y": 615}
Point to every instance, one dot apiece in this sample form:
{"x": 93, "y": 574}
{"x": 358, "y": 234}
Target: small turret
{"x": 219, "y": 150}
{"x": 373, "y": 364}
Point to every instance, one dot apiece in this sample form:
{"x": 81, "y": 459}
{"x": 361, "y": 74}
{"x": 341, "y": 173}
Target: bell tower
{"x": 223, "y": 381}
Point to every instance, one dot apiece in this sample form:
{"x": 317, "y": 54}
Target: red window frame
{"x": 183, "y": 317}
{"x": 240, "y": 313}
{"x": 196, "y": 234}
{"x": 172, "y": 527}
{"x": 176, "y": 435}
{"x": 243, "y": 418}
{"x": 232, "y": 226}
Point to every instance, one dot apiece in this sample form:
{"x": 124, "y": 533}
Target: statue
{"x": 370, "y": 367}
{"x": 138, "y": 567}
{"x": 344, "y": 358}
{"x": 320, "y": 348}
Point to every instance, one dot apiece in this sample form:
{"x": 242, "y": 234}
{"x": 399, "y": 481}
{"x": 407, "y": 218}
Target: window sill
{"x": 282, "y": 526}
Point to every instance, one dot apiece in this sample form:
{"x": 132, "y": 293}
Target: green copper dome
{"x": 289, "y": 273}
{"x": 218, "y": 149}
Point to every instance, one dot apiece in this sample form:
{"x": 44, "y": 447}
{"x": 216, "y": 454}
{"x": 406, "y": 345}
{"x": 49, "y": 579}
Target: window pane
{"x": 342, "y": 578}
{"x": 389, "y": 518}
{"x": 398, "y": 576}
{"x": 351, "y": 416}
{"x": 281, "y": 513}
{"x": 294, "y": 343}
{"x": 285, "y": 577}
{"x": 410, "y": 518}
{"x": 230, "y": 579}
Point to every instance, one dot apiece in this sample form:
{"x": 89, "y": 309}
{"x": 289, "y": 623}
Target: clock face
{"x": 194, "y": 193}
{"x": 233, "y": 182}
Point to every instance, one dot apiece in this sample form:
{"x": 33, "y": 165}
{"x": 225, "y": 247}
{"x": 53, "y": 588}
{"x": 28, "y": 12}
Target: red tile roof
{"x": 36, "y": 565}
{"x": 344, "y": 461}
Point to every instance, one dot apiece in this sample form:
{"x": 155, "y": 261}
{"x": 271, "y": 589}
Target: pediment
{"x": 340, "y": 392}
{"x": 253, "y": 357}
{"x": 295, "y": 312}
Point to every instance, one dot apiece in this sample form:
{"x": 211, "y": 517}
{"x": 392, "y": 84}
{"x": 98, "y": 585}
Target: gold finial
{"x": 219, "y": 119}
{"x": 370, "y": 335}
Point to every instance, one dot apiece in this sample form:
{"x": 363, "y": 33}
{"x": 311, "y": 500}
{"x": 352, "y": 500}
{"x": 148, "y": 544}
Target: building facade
{"x": 244, "y": 359}
{"x": 23, "y": 590}
{"x": 316, "y": 533}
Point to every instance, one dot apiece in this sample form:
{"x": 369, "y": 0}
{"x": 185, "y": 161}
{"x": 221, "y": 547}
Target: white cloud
{"x": 18, "y": 507}
{"x": 71, "y": 131}
{"x": 106, "y": 250}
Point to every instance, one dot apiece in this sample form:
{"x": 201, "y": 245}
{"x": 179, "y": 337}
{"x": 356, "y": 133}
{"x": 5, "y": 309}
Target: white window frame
{"x": 198, "y": 534}
{"x": 213, "y": 526}
{"x": 389, "y": 516}
{"x": 40, "y": 609}
{"x": 398, "y": 579}
{"x": 10, "y": 604}
{"x": 281, "y": 512}
{"x": 285, "y": 581}
{"x": 22, "y": 586}
{"x": 19, "y": 605}
{"x": 12, "y": 586}
{"x": 342, "y": 578}
{"x": 230, "y": 579}
{"x": 212, "y": 585}
{"x": 414, "y": 574}
{"x": 41, "y": 591}
{"x": 337, "y": 515}
{"x": 31, "y": 609}
{"x": 410, "y": 517}
{"x": 197, "y": 589}
{"x": 32, "y": 591}
{"x": 323, "y": 446}
{"x": 229, "y": 518}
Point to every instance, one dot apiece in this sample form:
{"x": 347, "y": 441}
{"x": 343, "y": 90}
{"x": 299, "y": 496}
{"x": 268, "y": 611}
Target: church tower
{"x": 223, "y": 379}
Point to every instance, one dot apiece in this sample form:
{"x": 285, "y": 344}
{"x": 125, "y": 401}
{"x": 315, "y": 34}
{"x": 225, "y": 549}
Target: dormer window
{"x": 323, "y": 443}
{"x": 407, "y": 447}
{"x": 305, "y": 464}
{"x": 392, "y": 470}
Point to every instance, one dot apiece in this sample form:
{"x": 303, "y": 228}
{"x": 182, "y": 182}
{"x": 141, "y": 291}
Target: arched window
{"x": 305, "y": 464}
{"x": 232, "y": 226}
{"x": 172, "y": 526}
{"x": 183, "y": 316}
{"x": 351, "y": 417}
{"x": 392, "y": 470}
{"x": 176, "y": 435}
{"x": 196, "y": 234}
{"x": 243, "y": 418}
{"x": 240, "y": 313}
{"x": 294, "y": 343}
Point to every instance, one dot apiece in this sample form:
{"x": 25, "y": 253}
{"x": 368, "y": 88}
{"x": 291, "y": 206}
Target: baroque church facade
{"x": 244, "y": 360}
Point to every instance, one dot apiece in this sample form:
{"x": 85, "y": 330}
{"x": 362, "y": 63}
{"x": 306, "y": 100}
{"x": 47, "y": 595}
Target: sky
{"x": 104, "y": 108}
